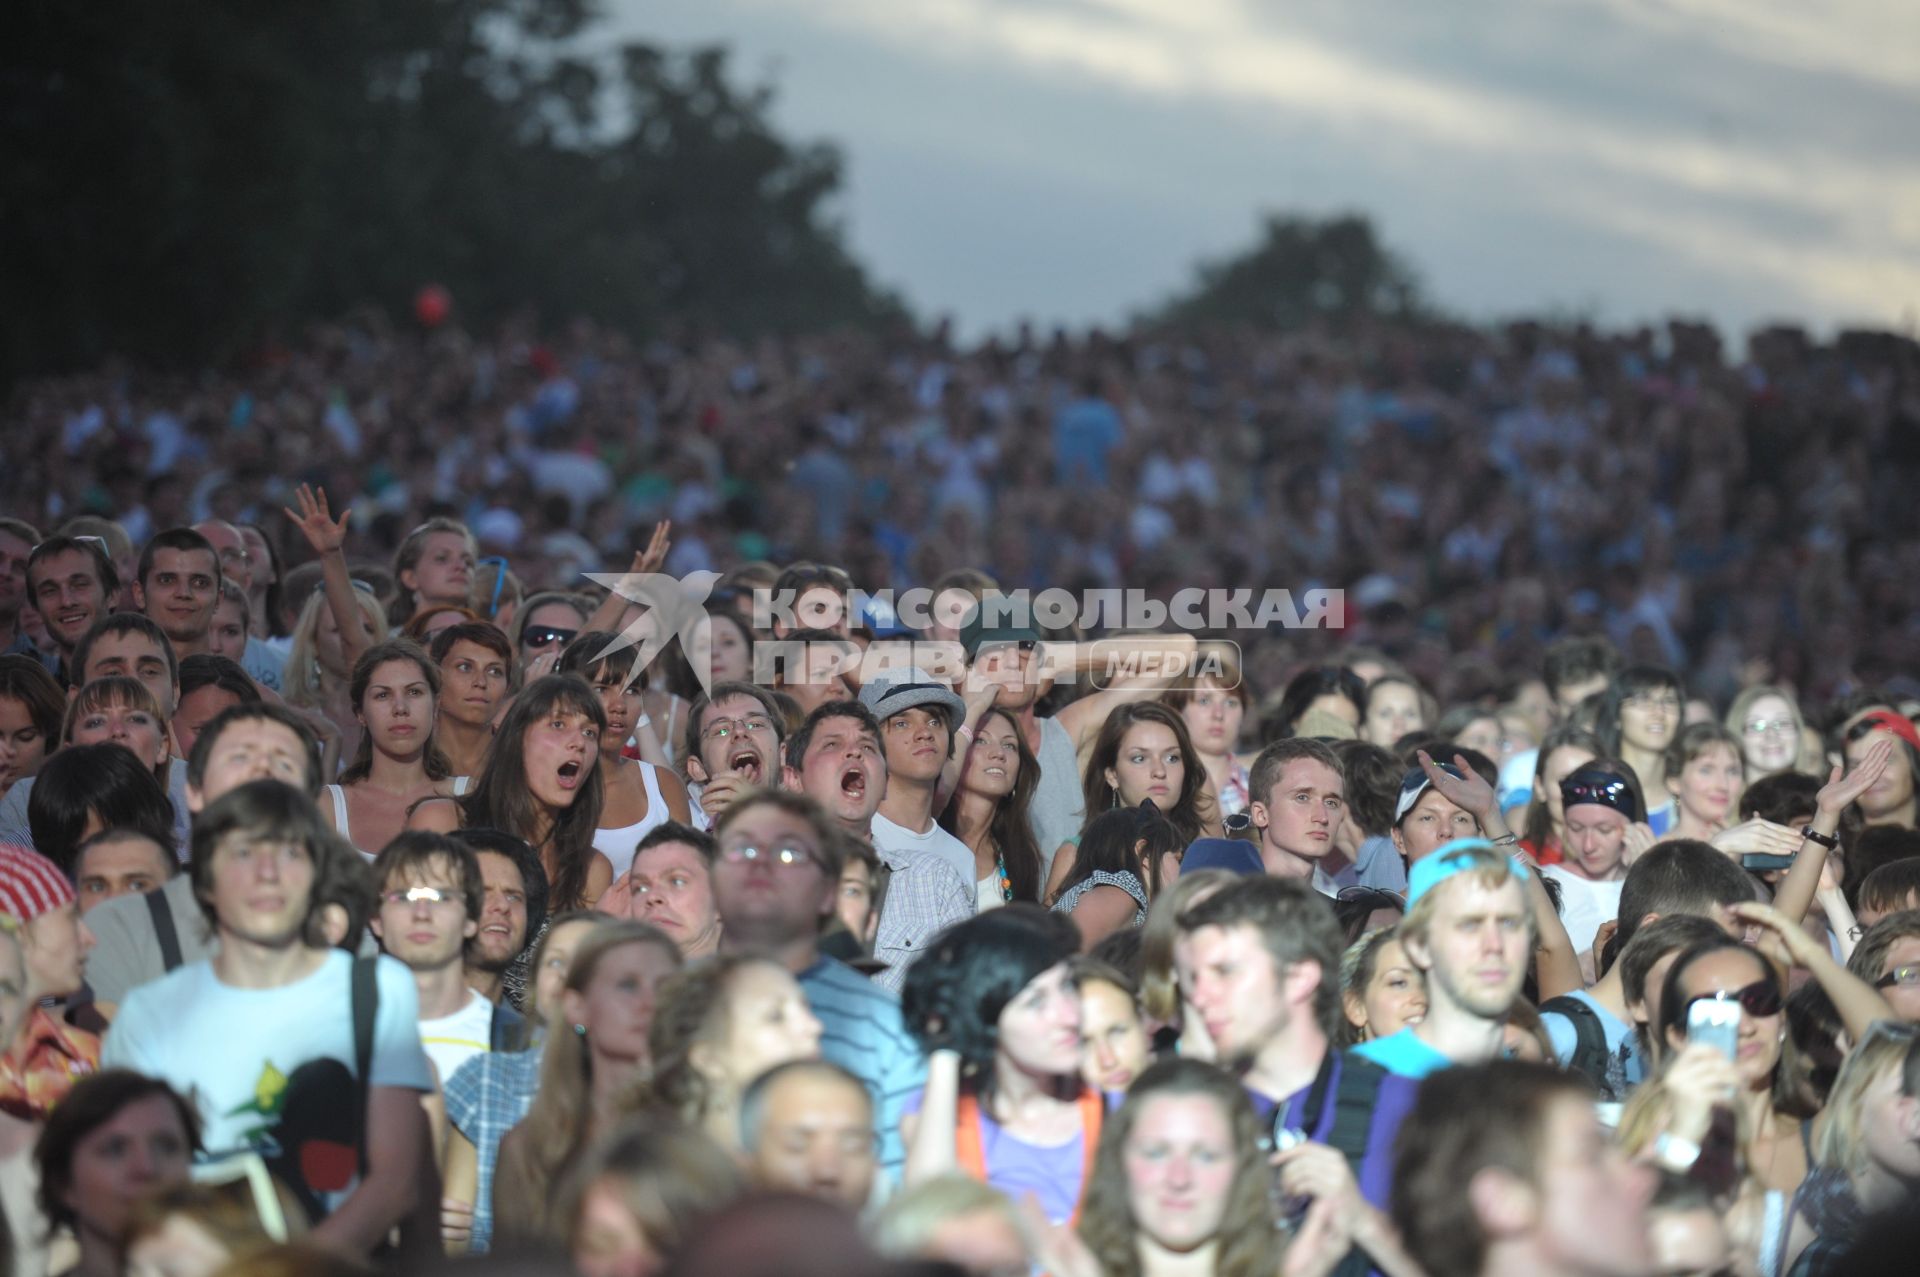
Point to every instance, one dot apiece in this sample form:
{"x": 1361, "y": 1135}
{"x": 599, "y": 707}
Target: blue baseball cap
{"x": 1446, "y": 860}
{"x": 1231, "y": 854}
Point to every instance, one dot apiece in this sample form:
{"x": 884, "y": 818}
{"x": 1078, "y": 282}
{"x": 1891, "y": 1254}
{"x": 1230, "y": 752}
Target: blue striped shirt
{"x": 861, "y": 1031}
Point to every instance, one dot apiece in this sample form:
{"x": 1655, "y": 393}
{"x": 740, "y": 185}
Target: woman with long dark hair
{"x": 542, "y": 783}
{"x": 395, "y": 690}
{"x": 1144, "y": 754}
{"x": 640, "y": 795}
{"x": 1640, "y": 714}
{"x": 989, "y": 812}
{"x": 1122, "y": 862}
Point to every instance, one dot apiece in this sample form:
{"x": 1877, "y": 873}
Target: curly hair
{"x": 956, "y": 992}
{"x": 1247, "y": 1231}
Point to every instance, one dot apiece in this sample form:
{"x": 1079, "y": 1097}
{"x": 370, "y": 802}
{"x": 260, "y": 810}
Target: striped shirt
{"x": 861, "y": 1030}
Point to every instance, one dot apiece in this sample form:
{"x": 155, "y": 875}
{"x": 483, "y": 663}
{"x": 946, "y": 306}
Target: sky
{"x": 1072, "y": 161}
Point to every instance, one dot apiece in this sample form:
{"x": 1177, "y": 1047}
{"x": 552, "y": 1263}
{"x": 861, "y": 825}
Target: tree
{"x": 1304, "y": 270}
{"x": 181, "y": 179}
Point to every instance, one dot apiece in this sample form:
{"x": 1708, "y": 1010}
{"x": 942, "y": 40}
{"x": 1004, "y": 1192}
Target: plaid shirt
{"x": 924, "y": 897}
{"x": 486, "y": 1097}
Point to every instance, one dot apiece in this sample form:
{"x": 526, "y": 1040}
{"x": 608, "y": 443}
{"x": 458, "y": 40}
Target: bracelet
{"x": 1825, "y": 840}
{"x": 1508, "y": 839}
{"x": 964, "y": 732}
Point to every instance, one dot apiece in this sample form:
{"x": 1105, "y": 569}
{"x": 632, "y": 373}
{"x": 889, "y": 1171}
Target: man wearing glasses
{"x": 733, "y": 746}
{"x": 431, "y": 896}
{"x": 775, "y": 882}
{"x": 1888, "y": 957}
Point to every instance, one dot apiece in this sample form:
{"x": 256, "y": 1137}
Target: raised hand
{"x": 1470, "y": 794}
{"x": 1758, "y": 837}
{"x": 1845, "y": 787}
{"x": 654, "y": 557}
{"x": 324, "y": 533}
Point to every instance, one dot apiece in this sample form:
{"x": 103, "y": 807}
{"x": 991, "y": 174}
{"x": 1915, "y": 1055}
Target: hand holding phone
{"x": 1715, "y": 1022}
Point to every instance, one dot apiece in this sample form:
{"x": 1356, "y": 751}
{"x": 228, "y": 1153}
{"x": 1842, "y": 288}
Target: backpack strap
{"x": 1354, "y": 1097}
{"x": 366, "y": 1006}
{"x": 1590, "y": 1041}
{"x": 969, "y": 1146}
{"x": 505, "y": 1031}
{"x": 164, "y": 930}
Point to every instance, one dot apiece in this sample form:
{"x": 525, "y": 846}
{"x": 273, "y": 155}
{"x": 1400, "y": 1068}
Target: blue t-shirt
{"x": 1625, "y": 1068}
{"x": 1391, "y": 1102}
{"x": 861, "y": 1031}
{"x": 1017, "y": 1168}
{"x": 1404, "y": 1053}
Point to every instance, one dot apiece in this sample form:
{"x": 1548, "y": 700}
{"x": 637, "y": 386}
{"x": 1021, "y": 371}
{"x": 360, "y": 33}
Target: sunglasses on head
{"x": 1605, "y": 793}
{"x": 545, "y": 636}
{"x": 1761, "y": 1000}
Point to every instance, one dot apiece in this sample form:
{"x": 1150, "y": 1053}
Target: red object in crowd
{"x": 431, "y": 305}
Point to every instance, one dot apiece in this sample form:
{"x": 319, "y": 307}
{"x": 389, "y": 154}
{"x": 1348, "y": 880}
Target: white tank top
{"x": 617, "y": 843}
{"x": 339, "y": 795}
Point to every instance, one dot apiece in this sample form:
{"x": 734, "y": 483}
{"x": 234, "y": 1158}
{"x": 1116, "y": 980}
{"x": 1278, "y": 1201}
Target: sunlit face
{"x": 1394, "y": 998}
{"x": 917, "y": 742}
{"x": 503, "y": 912}
{"x": 251, "y": 749}
{"x": 444, "y": 571}
{"x": 1767, "y": 735}
{"x": 1303, "y": 809}
{"x": 227, "y": 636}
{"x": 739, "y": 738}
{"x": 66, "y": 590}
{"x": 1476, "y": 947}
{"x": 1115, "y": 1047}
{"x": 816, "y": 1137}
{"x": 398, "y": 708}
{"x": 556, "y": 959}
{"x": 607, "y": 1240}
{"x": 993, "y": 761}
{"x": 1709, "y": 785}
{"x": 673, "y": 890}
{"x": 425, "y": 934}
{"x": 142, "y": 1148}
{"x": 1180, "y": 1164}
{"x": 768, "y": 1022}
{"x": 1393, "y": 710}
{"x": 136, "y": 730}
{"x": 844, "y": 770}
{"x": 1561, "y": 763}
{"x": 127, "y": 865}
{"x": 616, "y": 1004}
{"x": 261, "y": 888}
{"x": 1596, "y": 841}
{"x": 562, "y": 749}
{"x": 179, "y": 593}
{"x": 1894, "y": 789}
{"x": 23, "y": 747}
{"x": 134, "y": 655}
{"x": 1434, "y": 821}
{"x": 1039, "y": 1030}
{"x": 1149, "y": 765}
{"x": 473, "y": 679}
{"x": 1728, "y": 971}
{"x": 1230, "y": 981}
{"x": 1213, "y": 714}
{"x": 1649, "y": 718}
{"x": 1593, "y": 1216}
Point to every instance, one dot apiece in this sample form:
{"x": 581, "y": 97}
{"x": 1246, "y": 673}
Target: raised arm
{"x": 1802, "y": 882}
{"x": 1858, "y": 1002}
{"x": 1083, "y": 717}
{"x": 652, "y": 559}
{"x": 328, "y": 537}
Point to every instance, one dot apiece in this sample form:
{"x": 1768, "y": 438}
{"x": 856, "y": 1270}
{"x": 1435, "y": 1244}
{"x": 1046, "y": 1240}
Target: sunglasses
{"x": 1607, "y": 793}
{"x": 1761, "y": 1000}
{"x": 1907, "y": 975}
{"x": 545, "y": 636}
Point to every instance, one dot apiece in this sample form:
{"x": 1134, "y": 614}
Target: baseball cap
{"x": 976, "y": 634}
{"x": 1235, "y": 855}
{"x": 1447, "y": 860}
{"x": 1416, "y": 784}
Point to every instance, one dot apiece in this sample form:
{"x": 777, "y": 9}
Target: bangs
{"x": 567, "y": 692}
{"x": 1636, "y": 679}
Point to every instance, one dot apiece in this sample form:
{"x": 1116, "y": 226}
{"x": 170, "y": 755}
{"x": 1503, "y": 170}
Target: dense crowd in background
{"x": 367, "y": 898}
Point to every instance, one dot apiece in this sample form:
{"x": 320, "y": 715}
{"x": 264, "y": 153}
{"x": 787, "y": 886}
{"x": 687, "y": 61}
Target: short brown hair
{"x": 1869, "y": 960}
{"x": 1266, "y": 769}
{"x": 414, "y": 850}
{"x": 1892, "y": 888}
{"x": 1465, "y": 1120}
{"x": 832, "y": 855}
{"x": 1296, "y": 924}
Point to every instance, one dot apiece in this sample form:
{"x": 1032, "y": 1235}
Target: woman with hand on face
{"x": 989, "y": 812}
{"x": 1124, "y": 860}
{"x": 395, "y": 691}
{"x": 993, "y": 1003}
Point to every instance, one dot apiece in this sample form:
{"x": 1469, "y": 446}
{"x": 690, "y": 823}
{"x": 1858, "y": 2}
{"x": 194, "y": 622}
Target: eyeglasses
{"x": 1761, "y": 999}
{"x": 724, "y": 728}
{"x": 545, "y": 636}
{"x": 1768, "y": 727}
{"x": 418, "y": 895}
{"x": 789, "y": 856}
{"x": 1906, "y": 977}
{"x": 499, "y": 566}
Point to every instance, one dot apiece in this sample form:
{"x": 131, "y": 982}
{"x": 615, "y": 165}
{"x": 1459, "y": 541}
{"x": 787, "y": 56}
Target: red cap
{"x": 30, "y": 884}
{"x": 1899, "y": 724}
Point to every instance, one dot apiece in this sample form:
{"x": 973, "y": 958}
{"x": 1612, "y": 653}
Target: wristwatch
{"x": 1825, "y": 840}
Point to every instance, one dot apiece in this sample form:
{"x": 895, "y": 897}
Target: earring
{"x": 581, "y": 1029}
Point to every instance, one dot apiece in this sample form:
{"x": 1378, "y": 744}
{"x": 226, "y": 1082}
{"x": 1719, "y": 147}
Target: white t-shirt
{"x": 242, "y": 1055}
{"x": 936, "y": 842}
{"x": 1584, "y": 904}
{"x": 454, "y": 1039}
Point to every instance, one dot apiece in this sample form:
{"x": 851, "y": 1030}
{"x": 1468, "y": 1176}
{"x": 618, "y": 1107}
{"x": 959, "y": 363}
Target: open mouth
{"x": 745, "y": 762}
{"x": 569, "y": 774}
{"x": 853, "y": 783}
{"x": 994, "y": 771}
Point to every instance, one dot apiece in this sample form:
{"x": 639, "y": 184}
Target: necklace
{"x": 1006, "y": 883}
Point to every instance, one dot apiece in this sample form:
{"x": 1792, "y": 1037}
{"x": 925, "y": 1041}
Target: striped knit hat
{"x": 30, "y": 884}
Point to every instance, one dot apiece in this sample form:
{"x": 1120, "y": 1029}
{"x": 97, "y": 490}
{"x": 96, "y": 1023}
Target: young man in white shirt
{"x": 263, "y": 1035}
{"x": 917, "y": 717}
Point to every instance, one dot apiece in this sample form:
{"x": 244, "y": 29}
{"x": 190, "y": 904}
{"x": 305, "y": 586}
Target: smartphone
{"x": 1760, "y": 862}
{"x": 1715, "y": 1021}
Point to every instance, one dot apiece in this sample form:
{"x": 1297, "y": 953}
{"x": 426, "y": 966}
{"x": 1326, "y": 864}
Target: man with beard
{"x": 734, "y": 737}
{"x": 1259, "y": 963}
{"x": 513, "y": 908}
{"x": 1469, "y": 928}
{"x": 837, "y": 760}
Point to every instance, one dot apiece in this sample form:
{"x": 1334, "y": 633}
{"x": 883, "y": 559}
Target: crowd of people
{"x": 377, "y": 892}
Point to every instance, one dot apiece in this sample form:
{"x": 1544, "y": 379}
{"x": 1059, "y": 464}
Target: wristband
{"x": 964, "y": 732}
{"x": 1825, "y": 840}
{"x": 1675, "y": 1153}
{"x": 1508, "y": 839}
